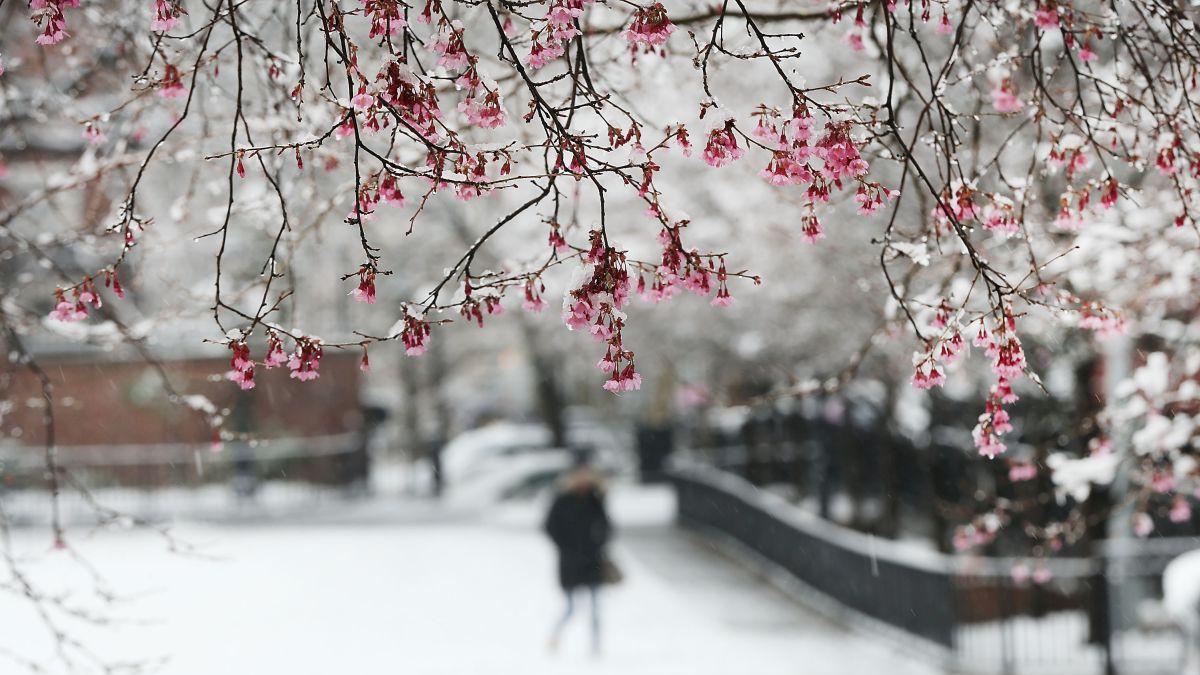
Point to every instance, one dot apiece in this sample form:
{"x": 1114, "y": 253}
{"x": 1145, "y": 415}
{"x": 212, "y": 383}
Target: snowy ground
{"x": 393, "y": 590}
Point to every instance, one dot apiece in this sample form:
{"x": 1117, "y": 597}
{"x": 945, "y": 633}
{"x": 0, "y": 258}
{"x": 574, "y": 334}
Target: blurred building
{"x": 142, "y": 421}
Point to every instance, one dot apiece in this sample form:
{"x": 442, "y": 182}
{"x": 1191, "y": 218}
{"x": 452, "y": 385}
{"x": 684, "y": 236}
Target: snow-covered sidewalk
{"x": 463, "y": 596}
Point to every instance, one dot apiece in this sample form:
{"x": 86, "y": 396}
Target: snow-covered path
{"x": 461, "y": 596}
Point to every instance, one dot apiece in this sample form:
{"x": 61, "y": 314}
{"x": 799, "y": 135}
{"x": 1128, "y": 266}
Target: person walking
{"x": 579, "y": 527}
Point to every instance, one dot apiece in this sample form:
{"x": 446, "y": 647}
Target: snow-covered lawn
{"x": 458, "y": 596}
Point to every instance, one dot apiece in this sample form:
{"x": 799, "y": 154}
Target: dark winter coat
{"x": 579, "y": 527}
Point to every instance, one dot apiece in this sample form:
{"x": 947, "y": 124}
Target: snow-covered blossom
{"x": 448, "y": 44}
{"x": 999, "y": 216}
{"x": 944, "y": 27}
{"x": 533, "y": 295}
{"x": 840, "y": 153}
{"x": 1004, "y": 98}
{"x": 276, "y": 356}
{"x": 67, "y": 312}
{"x": 486, "y": 114}
{"x": 415, "y": 335}
{"x": 1046, "y": 17}
{"x": 305, "y": 362}
{"x": 166, "y": 15}
{"x": 171, "y": 86}
{"x": 362, "y": 100}
{"x": 365, "y": 291}
{"x": 49, "y": 14}
{"x": 722, "y": 147}
{"x": 926, "y": 373}
{"x": 91, "y": 132}
{"x": 542, "y": 53}
{"x": 650, "y": 27}
{"x": 386, "y": 17}
{"x": 556, "y": 240}
{"x": 84, "y": 295}
{"x": 242, "y": 366}
{"x": 389, "y": 192}
{"x": 1105, "y": 322}
{"x": 810, "y": 227}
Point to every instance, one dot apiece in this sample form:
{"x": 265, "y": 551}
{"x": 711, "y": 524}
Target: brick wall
{"x": 124, "y": 402}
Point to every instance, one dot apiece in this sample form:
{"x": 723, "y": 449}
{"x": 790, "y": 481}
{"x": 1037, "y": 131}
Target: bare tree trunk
{"x": 547, "y": 388}
{"x": 436, "y": 375}
{"x": 411, "y": 412}
{"x": 439, "y": 369}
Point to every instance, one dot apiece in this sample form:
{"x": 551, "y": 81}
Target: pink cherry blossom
{"x": 305, "y": 362}
{"x": 171, "y": 86}
{"x": 166, "y": 15}
{"x": 49, "y": 14}
{"x": 242, "y": 365}
{"x": 448, "y": 44}
{"x": 362, "y": 100}
{"x": 784, "y": 170}
{"x": 1181, "y": 510}
{"x": 1042, "y": 574}
{"x": 1143, "y": 524}
{"x": 1046, "y": 18}
{"x": 92, "y": 133}
{"x": 928, "y": 376}
{"x": 998, "y": 216}
{"x": 415, "y": 335}
{"x": 987, "y": 443}
{"x": 486, "y": 114}
{"x": 68, "y": 312}
{"x": 365, "y": 291}
{"x": 944, "y": 26}
{"x": 1022, "y": 471}
{"x": 275, "y": 355}
{"x": 650, "y": 28}
{"x": 389, "y": 193}
{"x": 542, "y": 53}
{"x": 811, "y": 229}
{"x": 855, "y": 39}
{"x": 1165, "y": 161}
{"x": 1020, "y": 573}
{"x": 722, "y": 147}
{"x": 1005, "y": 100}
{"x": 386, "y": 18}
{"x": 766, "y": 131}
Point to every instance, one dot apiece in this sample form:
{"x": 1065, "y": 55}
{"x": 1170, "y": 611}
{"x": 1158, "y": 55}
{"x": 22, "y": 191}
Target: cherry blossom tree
{"x": 1018, "y": 170}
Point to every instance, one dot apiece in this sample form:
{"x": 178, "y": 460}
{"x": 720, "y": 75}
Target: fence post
{"x": 1006, "y": 628}
{"x": 1103, "y": 610}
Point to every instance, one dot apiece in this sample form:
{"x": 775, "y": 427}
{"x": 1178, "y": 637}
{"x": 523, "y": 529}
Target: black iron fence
{"x": 1090, "y": 615}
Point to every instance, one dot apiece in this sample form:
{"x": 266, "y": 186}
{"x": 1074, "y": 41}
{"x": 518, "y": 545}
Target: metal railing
{"x": 164, "y": 481}
{"x": 1091, "y": 615}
